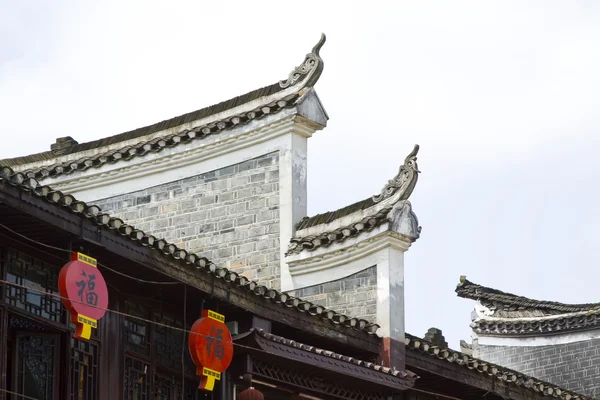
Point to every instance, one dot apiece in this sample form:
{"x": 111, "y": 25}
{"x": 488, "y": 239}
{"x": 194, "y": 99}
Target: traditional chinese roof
{"x": 499, "y": 375}
{"x": 336, "y": 226}
{"x": 31, "y": 187}
{"x": 508, "y": 314}
{"x": 426, "y": 356}
{"x": 63, "y": 158}
{"x": 328, "y": 360}
{"x": 312, "y": 242}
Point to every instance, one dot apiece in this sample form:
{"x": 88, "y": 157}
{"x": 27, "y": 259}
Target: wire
{"x": 109, "y": 310}
{"x": 34, "y": 241}
{"x": 102, "y": 265}
{"x": 17, "y": 394}
{"x": 170, "y": 327}
{"x": 141, "y": 280}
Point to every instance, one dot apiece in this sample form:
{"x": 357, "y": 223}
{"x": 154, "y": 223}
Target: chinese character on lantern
{"x": 211, "y": 348}
{"x": 84, "y": 293}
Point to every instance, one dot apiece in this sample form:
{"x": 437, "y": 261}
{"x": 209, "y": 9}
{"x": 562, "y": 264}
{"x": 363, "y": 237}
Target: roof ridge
{"x": 508, "y": 375}
{"x": 155, "y": 145}
{"x": 469, "y": 290}
{"x": 403, "y": 184}
{"x": 304, "y": 76}
{"x": 331, "y": 354}
{"x": 93, "y": 212}
{"x": 312, "y": 242}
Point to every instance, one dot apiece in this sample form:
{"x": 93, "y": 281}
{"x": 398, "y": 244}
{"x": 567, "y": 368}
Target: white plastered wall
{"x": 285, "y": 132}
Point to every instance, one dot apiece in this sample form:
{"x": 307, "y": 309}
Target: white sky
{"x": 502, "y": 96}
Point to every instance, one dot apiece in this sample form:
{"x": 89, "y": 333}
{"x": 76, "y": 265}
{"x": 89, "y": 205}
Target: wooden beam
{"x": 87, "y": 231}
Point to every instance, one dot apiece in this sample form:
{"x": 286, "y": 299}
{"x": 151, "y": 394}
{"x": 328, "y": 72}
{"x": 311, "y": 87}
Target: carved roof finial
{"x": 404, "y": 182}
{"x": 311, "y": 67}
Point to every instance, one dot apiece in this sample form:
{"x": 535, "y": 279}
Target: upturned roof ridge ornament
{"x": 312, "y": 66}
{"x": 404, "y": 182}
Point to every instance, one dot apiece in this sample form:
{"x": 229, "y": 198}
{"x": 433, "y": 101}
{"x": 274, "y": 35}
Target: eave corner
{"x": 403, "y": 184}
{"x": 309, "y": 72}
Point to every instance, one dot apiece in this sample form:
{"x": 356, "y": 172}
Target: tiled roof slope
{"x": 154, "y": 145}
{"x": 120, "y": 227}
{"x": 405, "y": 181}
{"x": 312, "y": 242}
{"x": 379, "y": 368}
{"x": 147, "y": 130}
{"x": 501, "y": 301}
{"x": 318, "y": 231}
{"x": 303, "y": 76}
{"x": 517, "y": 315}
{"x": 566, "y": 323}
{"x": 418, "y": 345}
{"x": 401, "y": 186}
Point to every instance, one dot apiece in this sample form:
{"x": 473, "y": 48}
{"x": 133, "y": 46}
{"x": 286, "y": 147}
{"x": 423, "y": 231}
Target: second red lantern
{"x": 211, "y": 348}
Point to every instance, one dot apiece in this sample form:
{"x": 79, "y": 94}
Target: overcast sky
{"x": 503, "y": 97}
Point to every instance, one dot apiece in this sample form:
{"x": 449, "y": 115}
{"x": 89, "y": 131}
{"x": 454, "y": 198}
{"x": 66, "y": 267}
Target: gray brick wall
{"x": 573, "y": 366}
{"x": 354, "y": 295}
{"x": 230, "y": 216}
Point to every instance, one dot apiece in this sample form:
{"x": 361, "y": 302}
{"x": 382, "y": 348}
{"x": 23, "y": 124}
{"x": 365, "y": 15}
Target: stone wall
{"x": 230, "y": 216}
{"x": 573, "y": 366}
{"x": 354, "y": 295}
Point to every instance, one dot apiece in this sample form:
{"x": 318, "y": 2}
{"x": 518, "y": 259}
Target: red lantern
{"x": 251, "y": 394}
{"x": 84, "y": 293}
{"x": 211, "y": 348}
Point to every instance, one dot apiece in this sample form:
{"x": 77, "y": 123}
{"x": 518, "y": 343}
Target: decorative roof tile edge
{"x": 492, "y": 297}
{"x": 584, "y": 320}
{"x": 299, "y": 80}
{"x": 498, "y": 372}
{"x": 311, "y": 67}
{"x": 158, "y": 144}
{"x": 117, "y": 225}
{"x": 403, "y": 184}
{"x": 404, "y": 181}
{"x": 312, "y": 242}
{"x": 379, "y": 368}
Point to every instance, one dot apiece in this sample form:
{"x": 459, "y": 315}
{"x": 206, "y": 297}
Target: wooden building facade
{"x": 286, "y": 347}
{"x": 157, "y": 291}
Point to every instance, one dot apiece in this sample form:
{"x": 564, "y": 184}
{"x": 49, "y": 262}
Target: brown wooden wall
{"x": 124, "y": 354}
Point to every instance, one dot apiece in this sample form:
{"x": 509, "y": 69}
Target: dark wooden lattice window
{"x": 190, "y": 391}
{"x": 169, "y": 346}
{"x": 162, "y": 346}
{"x": 169, "y": 388}
{"x": 137, "y": 332}
{"x": 164, "y": 387}
{"x": 84, "y": 370}
{"x": 36, "y": 365}
{"x": 27, "y": 271}
{"x": 136, "y": 381}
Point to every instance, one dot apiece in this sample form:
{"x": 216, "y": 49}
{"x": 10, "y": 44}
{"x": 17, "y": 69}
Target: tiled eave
{"x": 328, "y": 360}
{"x": 325, "y": 229}
{"x": 503, "y": 304}
{"x": 139, "y": 142}
{"x": 495, "y": 372}
{"x": 156, "y": 145}
{"x": 567, "y": 323}
{"x": 313, "y": 242}
{"x": 66, "y": 202}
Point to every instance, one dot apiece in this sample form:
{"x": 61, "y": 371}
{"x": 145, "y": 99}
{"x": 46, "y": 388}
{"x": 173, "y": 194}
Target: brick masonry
{"x": 573, "y": 366}
{"x": 230, "y": 216}
{"x": 354, "y": 295}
